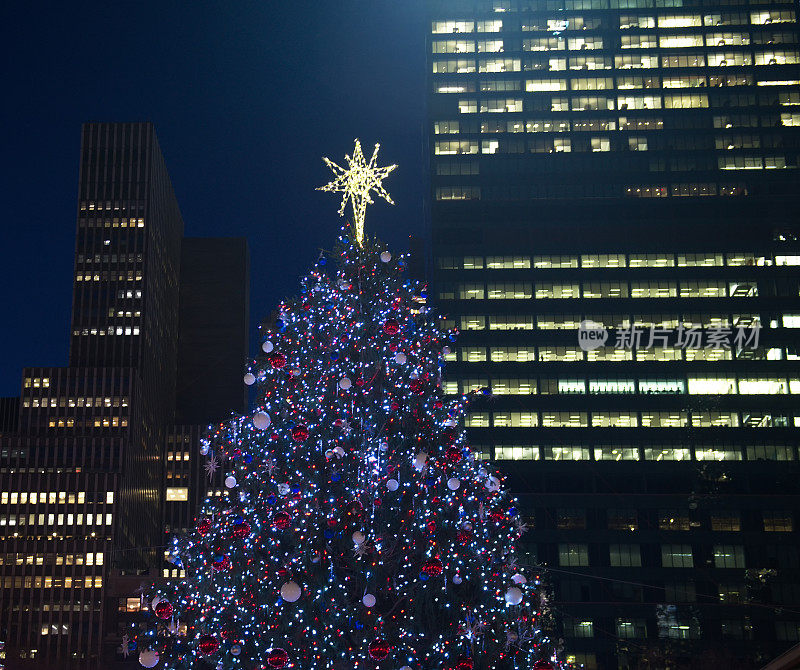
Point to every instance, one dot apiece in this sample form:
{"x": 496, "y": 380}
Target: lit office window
{"x": 580, "y": 629}
{"x": 666, "y": 419}
{"x": 676, "y": 556}
{"x": 509, "y": 291}
{"x": 715, "y": 419}
{"x": 539, "y": 85}
{"x": 513, "y": 386}
{"x": 729, "y": 556}
{"x": 615, "y": 419}
{"x": 625, "y": 555}
{"x": 667, "y": 454}
{"x": 713, "y": 453}
{"x": 633, "y": 21}
{"x": 778, "y": 522}
{"x": 508, "y": 262}
{"x": 616, "y": 453}
{"x": 452, "y": 27}
{"x": 628, "y": 629}
{"x": 565, "y": 419}
{"x": 679, "y": 21}
{"x": 177, "y": 494}
{"x": 557, "y": 291}
{"x": 762, "y": 386}
{"x": 573, "y": 555}
{"x": 516, "y": 419}
{"x": 566, "y": 453}
{"x": 473, "y": 354}
{"x": 726, "y": 521}
{"x": 452, "y": 46}
{"x": 509, "y": 453}
{"x": 511, "y": 322}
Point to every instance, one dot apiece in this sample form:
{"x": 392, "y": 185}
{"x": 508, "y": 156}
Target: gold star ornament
{"x": 356, "y": 184}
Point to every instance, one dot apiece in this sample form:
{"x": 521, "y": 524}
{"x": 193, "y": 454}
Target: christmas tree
{"x": 356, "y": 529}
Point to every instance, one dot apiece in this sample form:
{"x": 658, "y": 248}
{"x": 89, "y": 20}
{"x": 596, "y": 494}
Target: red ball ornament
{"x": 432, "y": 567}
{"x": 208, "y": 644}
{"x": 163, "y": 609}
{"x": 299, "y": 433}
{"x": 497, "y": 515}
{"x": 278, "y": 360}
{"x": 204, "y": 525}
{"x": 379, "y": 649}
{"x": 543, "y": 664}
{"x": 241, "y": 530}
{"x": 454, "y": 455}
{"x": 464, "y": 537}
{"x": 224, "y": 564}
{"x": 431, "y": 526}
{"x": 465, "y": 664}
{"x": 278, "y": 658}
{"x": 391, "y": 327}
{"x": 281, "y": 520}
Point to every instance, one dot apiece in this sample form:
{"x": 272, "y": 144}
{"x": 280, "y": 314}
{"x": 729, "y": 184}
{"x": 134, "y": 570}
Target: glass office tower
{"x": 631, "y": 165}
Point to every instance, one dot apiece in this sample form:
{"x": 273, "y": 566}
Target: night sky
{"x": 245, "y": 96}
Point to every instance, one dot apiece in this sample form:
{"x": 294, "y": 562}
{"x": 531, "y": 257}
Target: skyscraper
{"x": 631, "y": 165}
{"x": 82, "y": 478}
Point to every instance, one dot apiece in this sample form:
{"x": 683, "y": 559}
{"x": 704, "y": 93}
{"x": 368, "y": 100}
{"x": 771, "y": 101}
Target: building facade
{"x": 82, "y": 480}
{"x": 631, "y": 165}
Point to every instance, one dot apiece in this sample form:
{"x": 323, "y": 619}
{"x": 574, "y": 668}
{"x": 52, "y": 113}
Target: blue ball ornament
{"x": 423, "y": 576}
{"x": 328, "y": 534}
{"x": 358, "y": 625}
{"x": 322, "y": 261}
{"x": 272, "y": 499}
{"x": 335, "y": 477}
{"x": 334, "y": 356}
{"x": 512, "y": 512}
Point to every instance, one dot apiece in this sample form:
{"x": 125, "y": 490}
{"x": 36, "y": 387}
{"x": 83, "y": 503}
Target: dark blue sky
{"x": 245, "y": 96}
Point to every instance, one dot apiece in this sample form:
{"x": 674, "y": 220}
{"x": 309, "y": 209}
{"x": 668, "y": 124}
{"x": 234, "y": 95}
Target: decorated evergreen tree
{"x": 356, "y": 529}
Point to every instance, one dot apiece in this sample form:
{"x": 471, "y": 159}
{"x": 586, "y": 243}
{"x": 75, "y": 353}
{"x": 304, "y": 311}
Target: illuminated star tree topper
{"x": 356, "y": 183}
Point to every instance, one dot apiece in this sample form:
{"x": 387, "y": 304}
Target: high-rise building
{"x": 632, "y": 165}
{"x": 86, "y": 476}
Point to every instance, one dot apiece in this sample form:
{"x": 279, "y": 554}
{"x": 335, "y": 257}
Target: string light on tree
{"x": 356, "y": 182}
{"x": 355, "y": 528}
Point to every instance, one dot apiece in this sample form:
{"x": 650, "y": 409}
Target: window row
{"x": 631, "y": 520}
{"x": 51, "y": 497}
{"x": 106, "y": 401}
{"x": 130, "y": 275}
{"x": 725, "y": 556}
{"x": 652, "y": 260}
{"x": 633, "y": 419}
{"x": 61, "y": 519}
{"x": 716, "y": 385}
{"x": 111, "y": 223}
{"x": 560, "y": 23}
{"x": 52, "y": 559}
{"x": 98, "y": 422}
{"x": 111, "y": 330}
{"x": 596, "y": 42}
{"x": 608, "y": 289}
{"x": 48, "y": 582}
